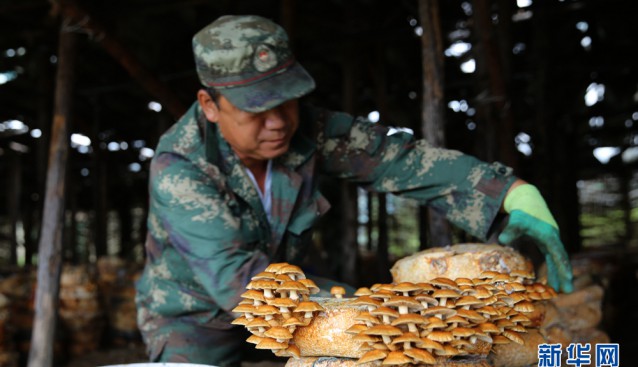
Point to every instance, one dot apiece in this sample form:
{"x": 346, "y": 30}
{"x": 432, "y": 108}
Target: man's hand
{"x": 529, "y": 216}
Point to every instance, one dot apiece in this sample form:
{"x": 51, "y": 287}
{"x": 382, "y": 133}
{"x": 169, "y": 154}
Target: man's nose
{"x": 275, "y": 119}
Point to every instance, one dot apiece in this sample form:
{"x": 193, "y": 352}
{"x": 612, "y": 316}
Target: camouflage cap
{"x": 247, "y": 59}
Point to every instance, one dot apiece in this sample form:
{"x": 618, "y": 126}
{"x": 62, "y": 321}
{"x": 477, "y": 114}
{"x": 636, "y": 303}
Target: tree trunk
{"x": 432, "y": 114}
{"x": 50, "y": 246}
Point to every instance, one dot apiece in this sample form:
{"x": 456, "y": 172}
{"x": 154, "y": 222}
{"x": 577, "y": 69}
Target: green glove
{"x": 530, "y": 216}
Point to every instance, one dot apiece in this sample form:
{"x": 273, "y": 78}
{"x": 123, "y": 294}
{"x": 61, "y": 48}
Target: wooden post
{"x": 124, "y": 57}
{"x": 13, "y": 202}
{"x": 348, "y": 194}
{"x": 50, "y": 246}
{"x": 433, "y": 108}
{"x": 499, "y": 99}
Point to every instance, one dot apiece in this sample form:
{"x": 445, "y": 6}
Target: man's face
{"x": 256, "y": 137}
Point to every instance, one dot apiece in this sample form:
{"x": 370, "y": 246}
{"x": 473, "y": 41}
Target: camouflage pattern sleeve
{"x": 468, "y": 191}
{"x": 201, "y": 229}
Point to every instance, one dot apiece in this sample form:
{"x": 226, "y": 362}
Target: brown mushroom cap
{"x": 366, "y": 301}
{"x": 420, "y": 356}
{"x": 406, "y": 288}
{"x": 282, "y": 278}
{"x": 254, "y": 295}
{"x": 444, "y": 283}
{"x": 403, "y": 303}
{"x": 264, "y": 275}
{"x": 468, "y": 301}
{"x": 434, "y": 323}
{"x": 424, "y": 298}
{"x": 266, "y": 310}
{"x": 464, "y": 281}
{"x": 363, "y": 291}
{"x": 273, "y": 268}
{"x": 337, "y": 291}
{"x": 262, "y": 284}
{"x": 524, "y": 306}
{"x": 499, "y": 339}
{"x": 258, "y": 322}
{"x": 293, "y": 288}
{"x": 282, "y": 303}
{"x": 254, "y": 339}
{"x": 409, "y": 318}
{"x": 367, "y": 318}
{"x": 481, "y": 292}
{"x": 501, "y": 278}
{"x": 513, "y": 336}
{"x": 487, "y": 310}
{"x": 439, "y": 310}
{"x": 269, "y": 343}
{"x": 488, "y": 327}
{"x": 407, "y": 338}
{"x": 279, "y": 333}
{"x": 308, "y": 307}
{"x": 470, "y": 315}
{"x": 446, "y": 293}
{"x": 448, "y": 350}
{"x": 521, "y": 319}
{"x": 383, "y": 330}
{"x": 396, "y": 358}
{"x": 294, "y": 351}
{"x": 504, "y": 323}
{"x": 371, "y": 356}
{"x": 384, "y": 311}
{"x": 310, "y": 284}
{"x": 463, "y": 332}
{"x": 514, "y": 287}
{"x": 245, "y": 308}
{"x": 363, "y": 338}
{"x": 440, "y": 336}
{"x": 517, "y": 328}
{"x": 456, "y": 320}
{"x": 241, "y": 321}
{"x": 488, "y": 274}
{"x": 430, "y": 344}
{"x": 293, "y": 271}
{"x": 292, "y": 322}
{"x": 382, "y": 294}
{"x": 356, "y": 329}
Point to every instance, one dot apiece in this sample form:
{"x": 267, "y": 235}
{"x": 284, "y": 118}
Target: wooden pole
{"x": 127, "y": 59}
{"x": 500, "y": 108}
{"x": 50, "y": 246}
{"x": 433, "y": 108}
{"x": 13, "y": 202}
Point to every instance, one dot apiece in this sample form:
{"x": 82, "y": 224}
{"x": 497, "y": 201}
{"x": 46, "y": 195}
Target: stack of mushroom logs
{"x": 405, "y": 323}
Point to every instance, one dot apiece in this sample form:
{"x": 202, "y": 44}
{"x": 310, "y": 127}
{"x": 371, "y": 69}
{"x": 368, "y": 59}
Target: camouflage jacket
{"x": 207, "y": 230}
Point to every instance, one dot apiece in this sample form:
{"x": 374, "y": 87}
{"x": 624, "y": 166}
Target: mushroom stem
{"x": 293, "y": 295}
{"x": 268, "y": 293}
{"x": 403, "y": 310}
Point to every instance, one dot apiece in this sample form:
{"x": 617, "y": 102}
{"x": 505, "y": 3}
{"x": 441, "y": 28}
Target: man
{"x": 233, "y": 187}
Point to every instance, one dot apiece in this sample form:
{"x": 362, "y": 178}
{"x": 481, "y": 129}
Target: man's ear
{"x": 210, "y": 108}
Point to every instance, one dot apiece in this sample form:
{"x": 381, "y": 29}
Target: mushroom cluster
{"x": 275, "y": 304}
{"x": 420, "y": 323}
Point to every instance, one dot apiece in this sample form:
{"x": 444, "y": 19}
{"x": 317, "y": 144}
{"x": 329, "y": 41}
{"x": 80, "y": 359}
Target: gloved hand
{"x": 529, "y": 216}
